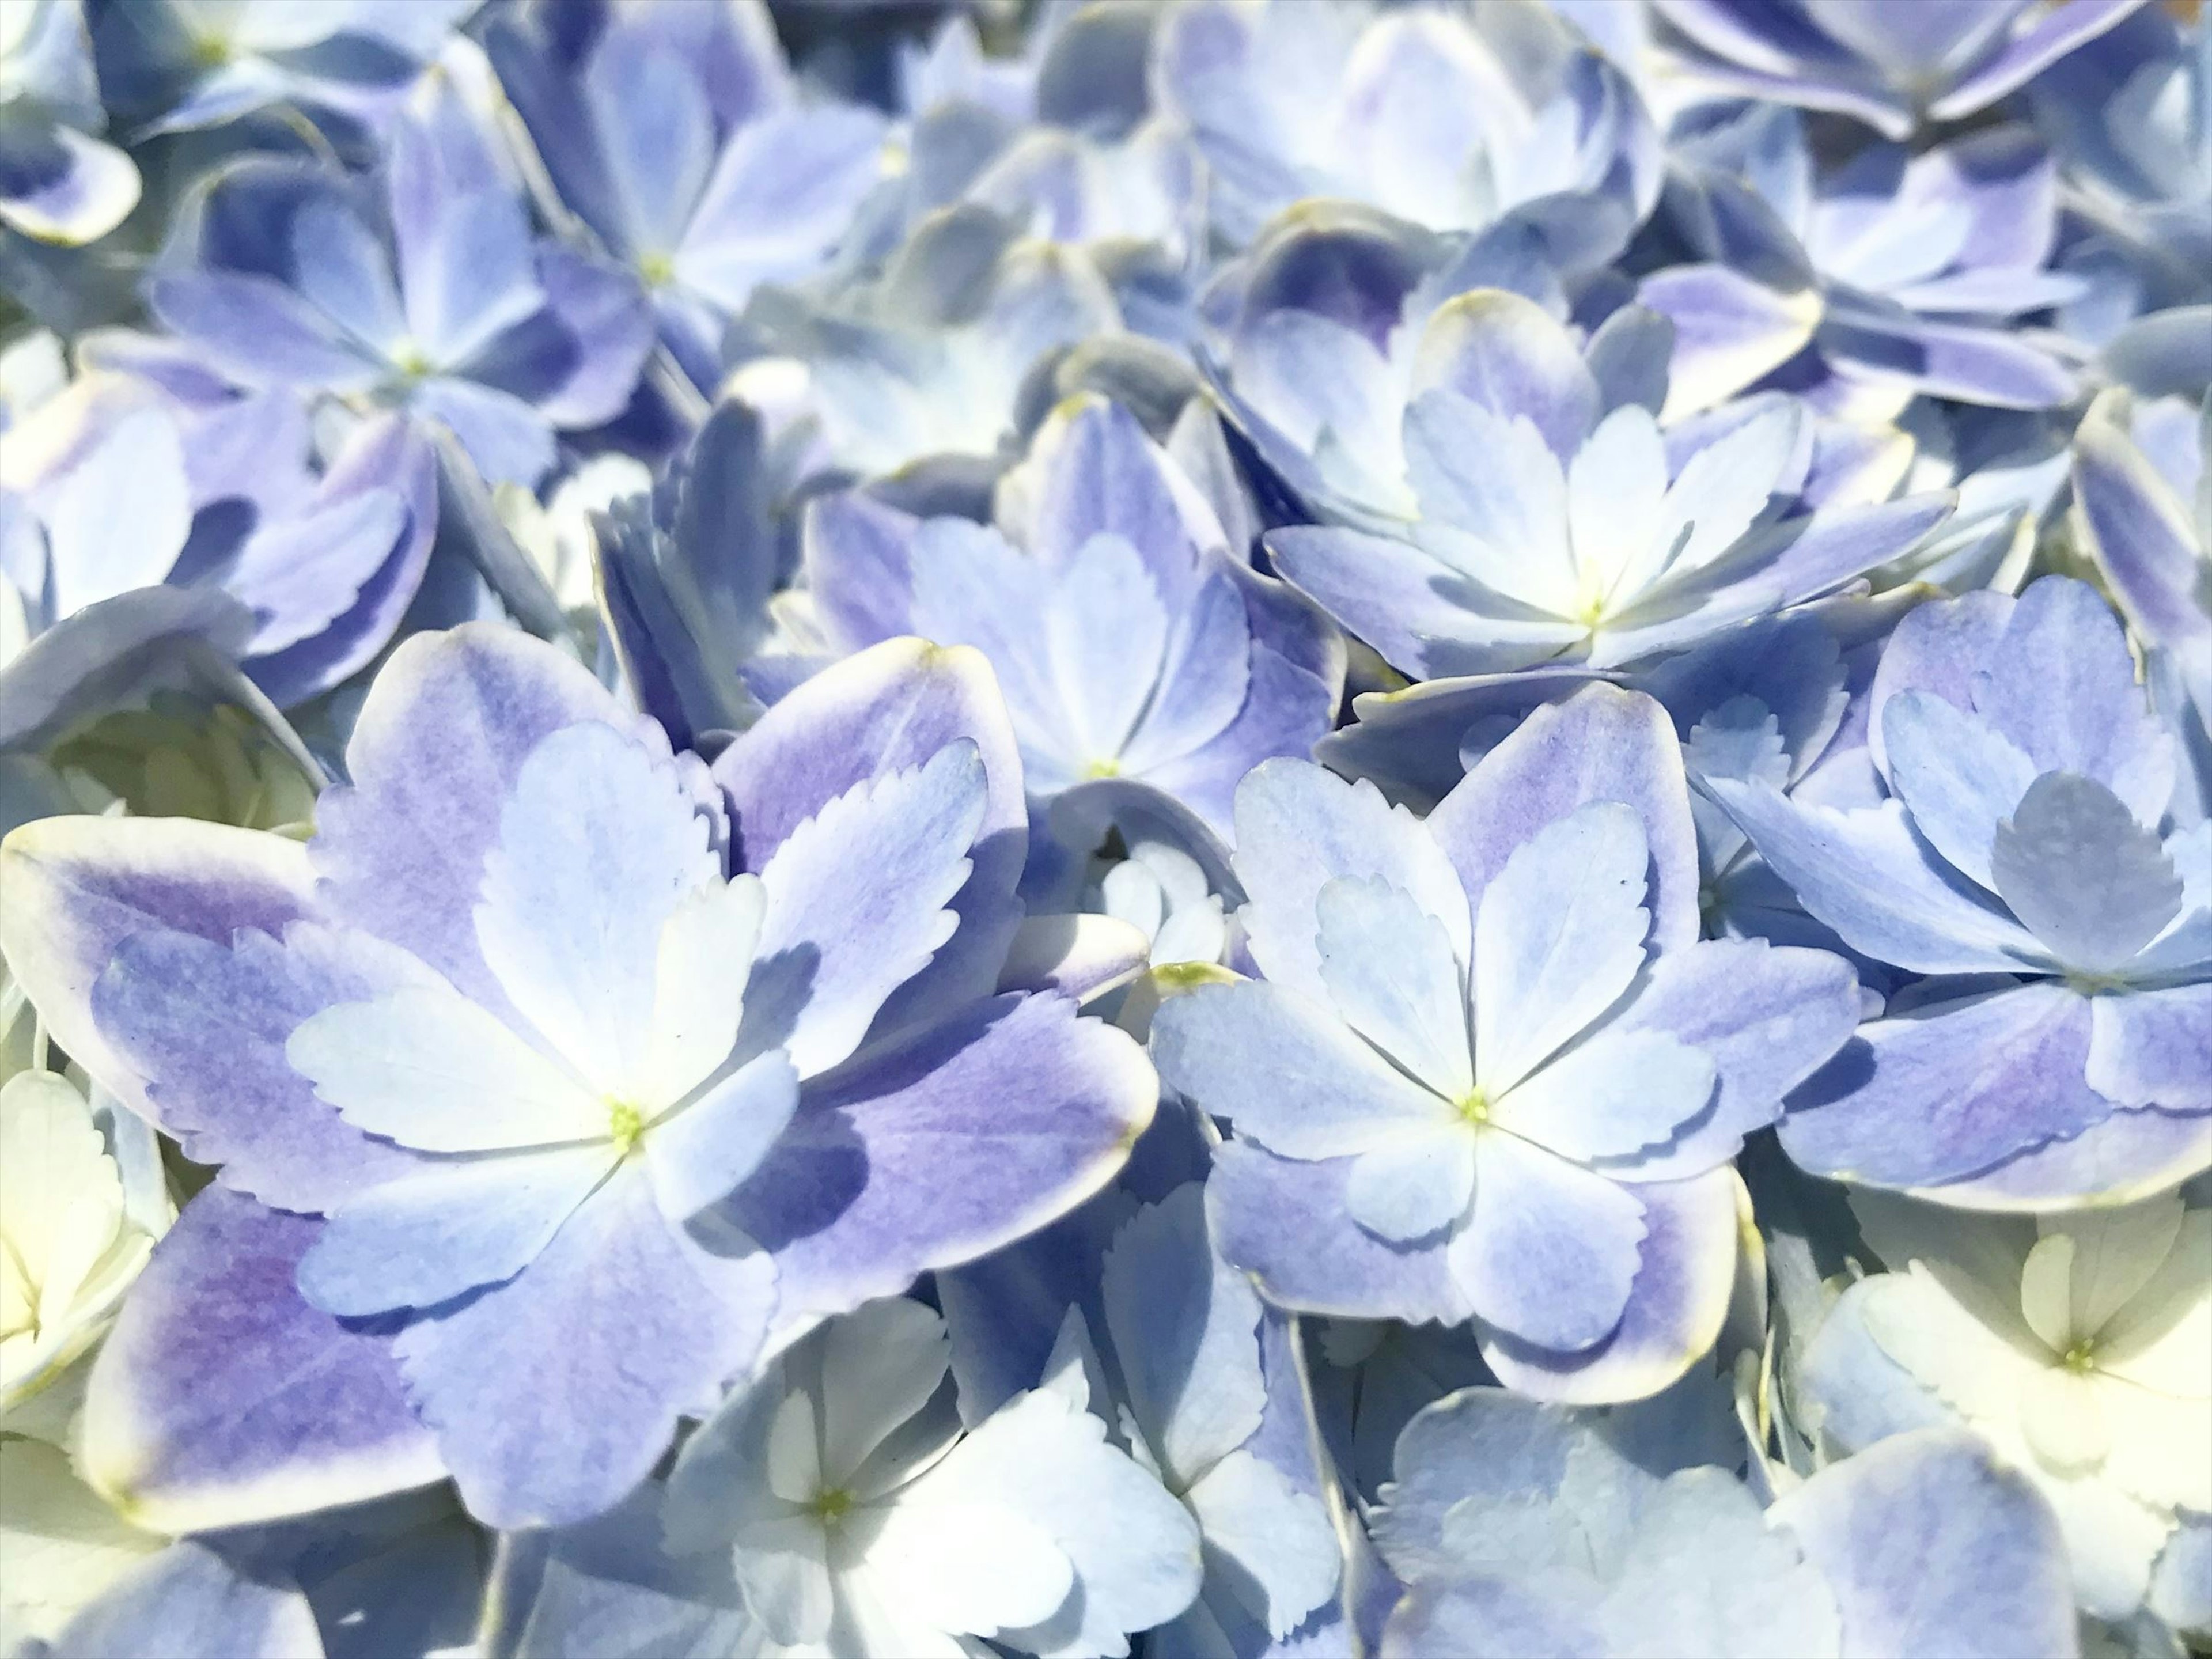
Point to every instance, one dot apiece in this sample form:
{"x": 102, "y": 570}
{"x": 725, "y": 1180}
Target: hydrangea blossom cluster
{"x": 1207, "y": 829}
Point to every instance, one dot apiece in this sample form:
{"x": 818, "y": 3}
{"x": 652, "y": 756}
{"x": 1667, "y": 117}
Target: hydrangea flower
{"x": 864, "y": 1519}
{"x": 1554, "y": 525}
{"x": 1520, "y": 1529}
{"x": 1427, "y": 114}
{"x": 176, "y": 65}
{"x": 679, "y": 134}
{"x": 936, "y": 360}
{"x": 1492, "y": 1073}
{"x": 1892, "y": 66}
{"x": 2017, "y": 859}
{"x": 431, "y": 294}
{"x": 518, "y": 1068}
{"x": 2078, "y": 1347}
{"x": 1131, "y": 640}
{"x": 1920, "y": 269}
{"x": 59, "y": 182}
{"x": 122, "y": 487}
{"x": 1064, "y": 139}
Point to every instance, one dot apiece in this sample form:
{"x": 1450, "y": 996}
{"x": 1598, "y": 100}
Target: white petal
{"x": 599, "y": 846}
{"x": 1280, "y": 1539}
{"x": 700, "y": 970}
{"x": 2046, "y": 1292}
{"x": 1560, "y": 936}
{"x": 881, "y": 1364}
{"x": 2116, "y": 1252}
{"x": 1390, "y": 971}
{"x": 2063, "y": 1419}
{"x": 2162, "y": 1338}
{"x": 429, "y": 1069}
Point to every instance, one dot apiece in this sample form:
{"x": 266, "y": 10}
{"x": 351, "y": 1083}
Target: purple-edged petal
{"x": 1422, "y": 616}
{"x": 1864, "y": 874}
{"x": 72, "y": 890}
{"x": 66, "y": 672}
{"x": 1602, "y": 744}
{"x": 376, "y": 582}
{"x": 207, "y": 1027}
{"x": 859, "y": 555}
{"x": 1508, "y": 354}
{"x": 1768, "y": 1017}
{"x": 1549, "y": 1251}
{"x": 2129, "y": 1156}
{"x": 1971, "y": 363}
{"x": 1613, "y": 1094}
{"x": 856, "y": 902}
{"x": 890, "y": 707}
{"x": 433, "y": 757}
{"x": 1950, "y": 1089}
{"x": 222, "y": 1398}
{"x": 622, "y": 1323}
{"x": 933, "y": 1152}
{"x": 1728, "y": 331}
{"x": 1932, "y": 1545}
{"x": 1959, "y": 778}
{"x": 2060, "y": 30}
{"x": 1684, "y": 1275}
{"x": 1287, "y": 1224}
{"x": 2139, "y": 531}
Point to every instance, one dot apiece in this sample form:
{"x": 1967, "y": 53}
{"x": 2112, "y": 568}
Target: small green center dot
{"x": 831, "y": 1506}
{"x": 625, "y": 1125}
{"x": 1474, "y": 1107}
{"x": 657, "y": 269}
{"x": 1103, "y": 769}
{"x": 211, "y": 51}
{"x": 411, "y": 360}
{"x": 2079, "y": 1358}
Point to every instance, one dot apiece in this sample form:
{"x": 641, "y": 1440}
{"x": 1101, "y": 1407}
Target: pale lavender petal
{"x": 1549, "y": 1251}
{"x": 620, "y": 1326}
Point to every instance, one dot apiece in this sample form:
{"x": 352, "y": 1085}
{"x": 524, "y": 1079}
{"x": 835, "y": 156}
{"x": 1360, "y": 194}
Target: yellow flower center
{"x": 625, "y": 1127}
{"x": 831, "y": 1505}
{"x": 1473, "y": 1107}
{"x": 657, "y": 269}
{"x": 2081, "y": 1359}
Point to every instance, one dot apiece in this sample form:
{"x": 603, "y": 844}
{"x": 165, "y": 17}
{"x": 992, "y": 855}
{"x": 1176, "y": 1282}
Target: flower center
{"x": 625, "y": 1127}
{"x": 831, "y": 1505}
{"x": 1103, "y": 769}
{"x": 656, "y": 268}
{"x": 2081, "y": 1359}
{"x": 1473, "y": 1107}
